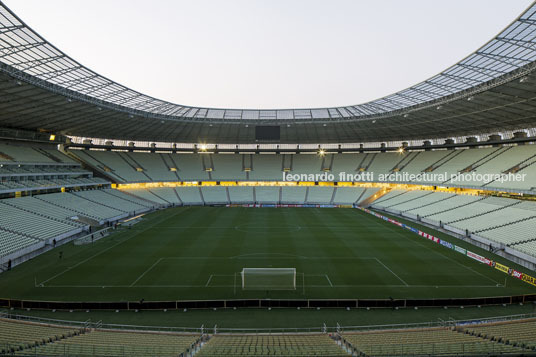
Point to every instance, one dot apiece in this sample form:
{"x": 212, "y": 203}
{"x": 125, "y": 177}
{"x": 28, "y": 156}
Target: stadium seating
{"x": 305, "y": 164}
{"x": 267, "y": 194}
{"x": 114, "y": 343}
{"x": 418, "y": 202}
{"x": 214, "y": 195}
{"x": 266, "y": 168}
{"x": 192, "y": 167}
{"x": 153, "y": 165}
{"x": 113, "y": 162}
{"x": 167, "y": 193}
{"x": 149, "y": 198}
{"x": 16, "y": 335}
{"x": 190, "y": 195}
{"x": 241, "y": 194}
{"x": 319, "y": 195}
{"x": 11, "y": 242}
{"x": 293, "y": 194}
{"x": 396, "y": 199}
{"x": 451, "y": 201}
{"x": 119, "y": 203}
{"x": 271, "y": 345}
{"x": 20, "y": 153}
{"x": 27, "y": 168}
{"x": 123, "y": 167}
{"x": 431, "y": 342}
{"x": 16, "y": 220}
{"x": 522, "y": 331}
{"x": 348, "y": 195}
{"x": 42, "y": 340}
{"x": 228, "y": 167}
{"x": 82, "y": 206}
{"x": 347, "y": 163}
{"x": 34, "y": 205}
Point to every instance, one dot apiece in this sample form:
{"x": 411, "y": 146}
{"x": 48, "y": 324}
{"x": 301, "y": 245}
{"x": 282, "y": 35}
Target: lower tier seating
{"x": 271, "y": 345}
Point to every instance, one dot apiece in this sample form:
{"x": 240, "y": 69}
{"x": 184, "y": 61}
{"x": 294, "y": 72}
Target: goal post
{"x": 268, "y": 278}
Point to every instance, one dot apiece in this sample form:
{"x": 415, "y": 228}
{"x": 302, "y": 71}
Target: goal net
{"x": 268, "y": 278}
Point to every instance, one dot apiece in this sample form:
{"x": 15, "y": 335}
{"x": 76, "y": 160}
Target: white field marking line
{"x": 329, "y": 280}
{"x": 290, "y": 229}
{"x": 105, "y": 250}
{"x": 146, "y": 271}
{"x": 281, "y": 255}
{"x": 308, "y": 286}
{"x": 239, "y": 226}
{"x": 437, "y": 252}
{"x": 209, "y": 279}
{"x": 392, "y": 272}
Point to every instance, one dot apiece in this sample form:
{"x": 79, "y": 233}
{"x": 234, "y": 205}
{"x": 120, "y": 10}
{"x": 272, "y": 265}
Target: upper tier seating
{"x": 227, "y": 167}
{"x": 19, "y": 153}
{"x": 153, "y": 166}
{"x": 123, "y": 167}
{"x": 266, "y": 168}
{"x": 192, "y": 167}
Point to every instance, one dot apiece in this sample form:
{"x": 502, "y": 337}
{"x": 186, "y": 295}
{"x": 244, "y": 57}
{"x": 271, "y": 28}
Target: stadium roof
{"x": 490, "y": 90}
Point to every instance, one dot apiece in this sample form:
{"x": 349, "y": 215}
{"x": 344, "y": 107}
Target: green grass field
{"x": 198, "y": 252}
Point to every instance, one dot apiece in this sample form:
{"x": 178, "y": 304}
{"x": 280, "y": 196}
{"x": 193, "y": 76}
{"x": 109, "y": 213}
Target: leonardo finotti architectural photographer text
{"x": 468, "y": 177}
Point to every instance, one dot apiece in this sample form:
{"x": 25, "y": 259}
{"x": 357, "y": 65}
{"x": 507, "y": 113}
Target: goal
{"x": 268, "y": 278}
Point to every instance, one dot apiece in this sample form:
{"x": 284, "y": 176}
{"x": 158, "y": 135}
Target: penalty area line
{"x": 392, "y": 272}
{"x": 146, "y": 271}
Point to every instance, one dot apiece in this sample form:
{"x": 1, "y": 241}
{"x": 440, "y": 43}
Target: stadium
{"x": 133, "y": 226}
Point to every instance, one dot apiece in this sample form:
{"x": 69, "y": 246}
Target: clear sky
{"x": 268, "y": 53}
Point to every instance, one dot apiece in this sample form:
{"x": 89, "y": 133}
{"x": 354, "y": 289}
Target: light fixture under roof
{"x": 406, "y": 115}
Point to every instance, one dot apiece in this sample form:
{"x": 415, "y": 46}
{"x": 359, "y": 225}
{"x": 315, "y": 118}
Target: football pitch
{"x": 197, "y": 253}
